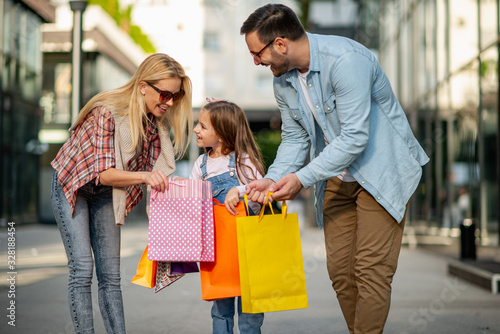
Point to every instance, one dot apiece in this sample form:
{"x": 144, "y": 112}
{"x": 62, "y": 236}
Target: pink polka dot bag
{"x": 181, "y": 223}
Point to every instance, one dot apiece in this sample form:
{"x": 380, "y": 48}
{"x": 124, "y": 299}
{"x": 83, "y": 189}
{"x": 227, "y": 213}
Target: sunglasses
{"x": 166, "y": 96}
{"x": 256, "y": 55}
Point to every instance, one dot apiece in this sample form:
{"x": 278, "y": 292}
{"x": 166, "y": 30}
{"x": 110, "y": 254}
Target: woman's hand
{"x": 157, "y": 180}
{"x": 232, "y": 199}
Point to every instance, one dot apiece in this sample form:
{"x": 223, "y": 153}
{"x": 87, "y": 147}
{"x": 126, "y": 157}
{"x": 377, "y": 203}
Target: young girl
{"x": 231, "y": 161}
{"x": 120, "y": 140}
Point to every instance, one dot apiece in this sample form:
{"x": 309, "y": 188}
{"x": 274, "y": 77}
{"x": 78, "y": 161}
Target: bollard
{"x": 467, "y": 240}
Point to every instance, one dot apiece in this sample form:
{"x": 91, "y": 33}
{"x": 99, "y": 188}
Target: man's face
{"x": 266, "y": 54}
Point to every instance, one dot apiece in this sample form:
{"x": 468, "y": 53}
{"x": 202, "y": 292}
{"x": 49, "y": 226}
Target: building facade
{"x": 109, "y": 59}
{"x": 441, "y": 57}
{"x": 20, "y": 114}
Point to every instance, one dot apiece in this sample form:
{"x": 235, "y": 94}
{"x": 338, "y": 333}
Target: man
{"x": 336, "y": 101}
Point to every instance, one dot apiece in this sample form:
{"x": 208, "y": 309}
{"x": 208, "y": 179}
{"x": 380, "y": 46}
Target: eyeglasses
{"x": 166, "y": 96}
{"x": 256, "y": 55}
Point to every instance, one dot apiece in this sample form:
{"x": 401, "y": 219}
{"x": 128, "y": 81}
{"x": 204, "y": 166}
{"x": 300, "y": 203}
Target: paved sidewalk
{"x": 425, "y": 299}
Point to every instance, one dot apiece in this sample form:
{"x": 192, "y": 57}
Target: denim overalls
{"x": 223, "y": 309}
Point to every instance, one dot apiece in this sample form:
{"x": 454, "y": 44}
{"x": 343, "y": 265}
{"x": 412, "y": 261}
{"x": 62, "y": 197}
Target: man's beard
{"x": 280, "y": 64}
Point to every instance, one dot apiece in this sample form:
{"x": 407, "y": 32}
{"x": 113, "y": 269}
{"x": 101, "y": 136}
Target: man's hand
{"x": 257, "y": 190}
{"x": 286, "y": 188}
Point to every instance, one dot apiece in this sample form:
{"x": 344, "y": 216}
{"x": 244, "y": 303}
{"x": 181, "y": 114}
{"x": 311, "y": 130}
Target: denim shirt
{"x": 360, "y": 117}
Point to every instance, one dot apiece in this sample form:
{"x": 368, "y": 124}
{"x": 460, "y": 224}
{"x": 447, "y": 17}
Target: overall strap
{"x": 232, "y": 161}
{"x": 203, "y": 166}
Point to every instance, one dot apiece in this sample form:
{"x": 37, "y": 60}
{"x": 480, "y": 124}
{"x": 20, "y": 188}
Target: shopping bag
{"x": 146, "y": 271}
{"x": 221, "y": 279}
{"x": 183, "y": 267}
{"x": 270, "y": 260}
{"x": 164, "y": 276}
{"x": 181, "y": 223}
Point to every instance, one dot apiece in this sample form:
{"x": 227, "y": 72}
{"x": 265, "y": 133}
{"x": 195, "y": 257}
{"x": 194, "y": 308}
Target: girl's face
{"x": 205, "y": 134}
{"x": 152, "y": 97}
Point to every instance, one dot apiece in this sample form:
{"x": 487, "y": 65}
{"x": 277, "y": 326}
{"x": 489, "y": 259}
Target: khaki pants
{"x": 362, "y": 247}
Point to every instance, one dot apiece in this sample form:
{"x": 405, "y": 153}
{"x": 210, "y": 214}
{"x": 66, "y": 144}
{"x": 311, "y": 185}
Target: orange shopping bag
{"x": 146, "y": 271}
{"x": 221, "y": 279}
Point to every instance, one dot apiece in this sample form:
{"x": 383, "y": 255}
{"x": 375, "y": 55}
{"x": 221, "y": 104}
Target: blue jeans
{"x": 91, "y": 229}
{"x": 223, "y": 314}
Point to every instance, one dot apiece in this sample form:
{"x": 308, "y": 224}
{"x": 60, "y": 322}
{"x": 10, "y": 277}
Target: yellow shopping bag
{"x": 271, "y": 265}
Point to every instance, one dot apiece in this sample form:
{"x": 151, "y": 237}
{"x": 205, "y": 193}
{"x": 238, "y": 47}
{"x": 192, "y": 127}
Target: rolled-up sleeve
{"x": 104, "y": 141}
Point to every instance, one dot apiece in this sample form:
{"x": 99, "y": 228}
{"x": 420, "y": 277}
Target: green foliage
{"x": 123, "y": 18}
{"x": 137, "y": 35}
{"x": 268, "y": 142}
{"x": 303, "y": 16}
{"x": 488, "y": 66}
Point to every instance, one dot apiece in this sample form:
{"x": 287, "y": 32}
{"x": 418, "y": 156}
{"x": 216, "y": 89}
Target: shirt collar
{"x": 313, "y": 58}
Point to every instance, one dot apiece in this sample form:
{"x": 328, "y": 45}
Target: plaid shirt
{"x": 90, "y": 151}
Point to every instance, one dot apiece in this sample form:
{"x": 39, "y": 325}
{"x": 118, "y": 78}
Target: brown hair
{"x": 231, "y": 126}
{"x": 273, "y": 20}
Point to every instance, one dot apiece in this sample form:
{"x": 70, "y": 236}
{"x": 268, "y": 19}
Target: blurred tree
{"x": 304, "y": 12}
{"x": 123, "y": 18}
{"x": 268, "y": 142}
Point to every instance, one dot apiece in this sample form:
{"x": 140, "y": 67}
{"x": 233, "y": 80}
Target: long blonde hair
{"x": 231, "y": 126}
{"x": 128, "y": 100}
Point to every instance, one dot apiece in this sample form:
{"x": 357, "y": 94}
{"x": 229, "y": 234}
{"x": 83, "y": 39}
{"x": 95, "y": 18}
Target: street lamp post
{"x": 78, "y": 7}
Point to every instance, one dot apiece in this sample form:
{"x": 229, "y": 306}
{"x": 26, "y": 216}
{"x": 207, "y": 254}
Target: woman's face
{"x": 152, "y": 97}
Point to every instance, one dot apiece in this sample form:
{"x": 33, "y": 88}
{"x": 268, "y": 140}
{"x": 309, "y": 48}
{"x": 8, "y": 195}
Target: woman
{"x": 120, "y": 140}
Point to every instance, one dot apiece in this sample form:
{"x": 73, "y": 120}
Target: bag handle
{"x": 155, "y": 193}
{"x": 261, "y": 214}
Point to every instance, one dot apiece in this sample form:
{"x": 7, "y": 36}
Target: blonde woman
{"x": 120, "y": 140}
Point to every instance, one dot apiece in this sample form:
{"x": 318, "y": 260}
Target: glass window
{"x": 405, "y": 81}
{"x": 489, "y": 104}
{"x": 31, "y": 58}
{"x": 442, "y": 159}
{"x": 33, "y": 23}
{"x": 430, "y": 45}
{"x": 465, "y": 91}
{"x": 488, "y": 22}
{"x": 62, "y": 89}
{"x": 463, "y": 33}
{"x": 7, "y": 30}
{"x": 442, "y": 40}
{"x": 465, "y": 157}
{"x": 419, "y": 37}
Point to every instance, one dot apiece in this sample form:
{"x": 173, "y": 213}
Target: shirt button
{"x": 310, "y": 85}
{"x": 328, "y": 108}
{"x": 317, "y": 107}
{"x": 232, "y": 173}
{"x": 362, "y": 182}
{"x": 295, "y": 117}
{"x": 378, "y": 197}
{"x": 324, "y": 128}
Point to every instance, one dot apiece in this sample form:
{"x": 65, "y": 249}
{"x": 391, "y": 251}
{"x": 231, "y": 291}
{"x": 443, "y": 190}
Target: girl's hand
{"x": 232, "y": 199}
{"x": 157, "y": 180}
